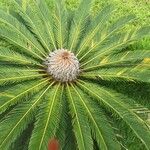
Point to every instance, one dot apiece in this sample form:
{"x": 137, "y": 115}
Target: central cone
{"x": 62, "y": 65}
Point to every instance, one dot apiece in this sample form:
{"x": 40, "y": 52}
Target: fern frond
{"x": 32, "y": 21}
{"x": 48, "y": 20}
{"x": 15, "y": 39}
{"x": 65, "y": 133}
{"x": 19, "y": 77}
{"x": 59, "y": 19}
{"x": 38, "y": 18}
{"x": 127, "y": 72}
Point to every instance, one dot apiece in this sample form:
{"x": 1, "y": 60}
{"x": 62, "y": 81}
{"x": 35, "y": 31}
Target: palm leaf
{"x": 114, "y": 28}
{"x": 81, "y": 127}
{"x": 22, "y": 119}
{"x": 47, "y": 120}
{"x": 105, "y": 13}
{"x": 20, "y": 30}
{"x": 117, "y": 41}
{"x": 65, "y": 130}
{"x": 82, "y": 13}
{"x": 25, "y": 91}
{"x": 100, "y": 126}
{"x": 108, "y": 99}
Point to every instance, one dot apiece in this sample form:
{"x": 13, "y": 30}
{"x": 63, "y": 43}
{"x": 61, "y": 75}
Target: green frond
{"x": 105, "y": 34}
{"x": 126, "y": 58}
{"x": 115, "y": 42}
{"x": 81, "y": 15}
{"x": 17, "y": 122}
{"x": 21, "y": 143}
{"x": 70, "y": 141}
{"x": 102, "y": 18}
{"x": 37, "y": 18}
{"x": 32, "y": 21}
{"x": 79, "y": 121}
{"x": 17, "y": 77}
{"x": 136, "y": 72}
{"x": 59, "y": 21}
{"x": 21, "y": 33}
{"x": 47, "y": 119}
{"x": 68, "y": 26}
{"x": 114, "y": 104}
{"x": 123, "y": 134}
{"x": 65, "y": 133}
{"x": 18, "y": 70}
{"x": 125, "y": 66}
{"x": 47, "y": 14}
{"x": 15, "y": 39}
{"x": 101, "y": 129}
{"x": 8, "y": 55}
{"x": 26, "y": 89}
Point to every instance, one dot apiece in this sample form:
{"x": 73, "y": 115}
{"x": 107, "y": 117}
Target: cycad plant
{"x": 55, "y": 77}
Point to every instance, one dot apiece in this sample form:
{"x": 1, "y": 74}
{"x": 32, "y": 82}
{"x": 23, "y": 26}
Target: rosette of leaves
{"x": 82, "y": 113}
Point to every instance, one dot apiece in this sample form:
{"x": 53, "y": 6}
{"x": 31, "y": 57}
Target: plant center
{"x": 63, "y": 65}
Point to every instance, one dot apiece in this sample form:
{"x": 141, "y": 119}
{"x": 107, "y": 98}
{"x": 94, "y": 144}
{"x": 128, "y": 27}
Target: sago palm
{"x": 55, "y": 78}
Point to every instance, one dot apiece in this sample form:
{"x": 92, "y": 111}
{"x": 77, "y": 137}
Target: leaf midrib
{"x": 76, "y": 113}
{"x": 49, "y": 114}
{"x": 88, "y": 110}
